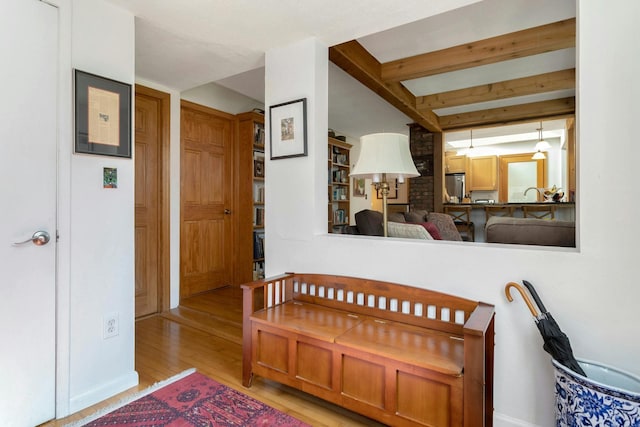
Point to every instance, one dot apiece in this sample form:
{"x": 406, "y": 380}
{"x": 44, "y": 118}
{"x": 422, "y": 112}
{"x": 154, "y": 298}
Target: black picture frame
{"x": 393, "y": 190}
{"x": 288, "y": 129}
{"x": 102, "y": 115}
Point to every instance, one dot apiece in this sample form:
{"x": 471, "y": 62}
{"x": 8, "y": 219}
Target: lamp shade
{"x": 384, "y": 153}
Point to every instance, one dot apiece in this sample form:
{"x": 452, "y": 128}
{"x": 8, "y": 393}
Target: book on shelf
{"x": 339, "y": 216}
{"x": 258, "y": 192}
{"x": 258, "y": 216}
{"x": 258, "y": 245}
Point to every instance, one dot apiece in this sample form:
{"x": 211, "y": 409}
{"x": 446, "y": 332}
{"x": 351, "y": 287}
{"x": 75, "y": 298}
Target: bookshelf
{"x": 338, "y": 187}
{"x": 251, "y": 195}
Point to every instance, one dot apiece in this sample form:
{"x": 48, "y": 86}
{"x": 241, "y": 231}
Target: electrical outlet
{"x": 111, "y": 326}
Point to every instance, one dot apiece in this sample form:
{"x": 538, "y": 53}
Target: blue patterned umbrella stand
{"x": 608, "y": 397}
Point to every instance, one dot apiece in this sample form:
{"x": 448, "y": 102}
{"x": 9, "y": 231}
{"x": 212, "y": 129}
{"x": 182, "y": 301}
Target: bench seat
{"x": 409, "y": 344}
{"x": 311, "y": 320}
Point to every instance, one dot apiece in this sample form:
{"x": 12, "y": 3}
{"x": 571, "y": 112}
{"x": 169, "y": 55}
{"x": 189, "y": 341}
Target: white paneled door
{"x": 28, "y": 126}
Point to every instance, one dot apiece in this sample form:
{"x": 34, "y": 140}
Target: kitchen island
{"x": 564, "y": 211}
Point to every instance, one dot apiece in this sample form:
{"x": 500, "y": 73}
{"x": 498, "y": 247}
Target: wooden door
{"x": 28, "y": 171}
{"x": 206, "y": 231}
{"x": 151, "y": 199}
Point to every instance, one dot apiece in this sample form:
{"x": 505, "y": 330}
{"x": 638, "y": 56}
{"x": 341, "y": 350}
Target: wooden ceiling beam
{"x": 510, "y": 114}
{"x": 548, "y": 82}
{"x": 532, "y": 41}
{"x": 354, "y": 59}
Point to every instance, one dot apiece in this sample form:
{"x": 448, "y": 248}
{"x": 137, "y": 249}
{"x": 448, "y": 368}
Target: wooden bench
{"x": 401, "y": 355}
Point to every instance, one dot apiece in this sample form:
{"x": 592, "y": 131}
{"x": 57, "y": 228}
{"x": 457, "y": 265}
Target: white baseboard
{"x": 103, "y": 392}
{"x": 502, "y": 420}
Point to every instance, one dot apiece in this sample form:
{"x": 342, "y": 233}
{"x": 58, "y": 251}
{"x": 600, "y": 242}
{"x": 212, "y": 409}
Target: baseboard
{"x": 103, "y": 392}
{"x": 502, "y": 420}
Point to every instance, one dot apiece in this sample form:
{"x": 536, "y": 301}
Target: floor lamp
{"x": 384, "y": 157}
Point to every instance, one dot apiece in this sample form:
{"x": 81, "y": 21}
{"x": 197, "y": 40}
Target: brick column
{"x": 421, "y": 188}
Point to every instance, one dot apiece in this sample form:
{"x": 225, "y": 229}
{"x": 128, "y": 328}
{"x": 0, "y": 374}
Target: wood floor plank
{"x": 165, "y": 347}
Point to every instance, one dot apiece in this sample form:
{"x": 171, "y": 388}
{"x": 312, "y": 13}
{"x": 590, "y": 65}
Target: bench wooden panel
{"x": 395, "y": 353}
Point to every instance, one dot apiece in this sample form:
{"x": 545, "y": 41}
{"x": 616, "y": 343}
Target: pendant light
{"x": 467, "y": 151}
{"x": 541, "y": 145}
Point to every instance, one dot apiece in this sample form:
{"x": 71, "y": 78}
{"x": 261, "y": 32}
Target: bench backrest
{"x": 385, "y": 300}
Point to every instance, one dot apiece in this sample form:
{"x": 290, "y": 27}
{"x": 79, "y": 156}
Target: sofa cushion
{"x": 396, "y": 217}
{"x": 416, "y": 216}
{"x": 531, "y": 231}
{"x": 408, "y": 231}
{"x": 369, "y": 222}
{"x": 446, "y": 227}
{"x": 431, "y": 229}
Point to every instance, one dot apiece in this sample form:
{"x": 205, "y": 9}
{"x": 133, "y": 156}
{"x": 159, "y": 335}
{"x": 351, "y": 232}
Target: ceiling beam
{"x": 532, "y": 41}
{"x": 353, "y": 58}
{"x": 548, "y": 82}
{"x": 510, "y": 114}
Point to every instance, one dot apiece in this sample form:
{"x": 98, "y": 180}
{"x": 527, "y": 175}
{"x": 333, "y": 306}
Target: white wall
{"x": 223, "y": 99}
{"x": 95, "y": 270}
{"x": 593, "y": 291}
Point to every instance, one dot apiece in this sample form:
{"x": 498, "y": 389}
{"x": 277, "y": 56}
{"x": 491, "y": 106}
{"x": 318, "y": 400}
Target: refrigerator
{"x": 455, "y": 185}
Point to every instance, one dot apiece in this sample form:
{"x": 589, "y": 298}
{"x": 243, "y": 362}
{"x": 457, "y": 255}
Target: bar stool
{"x": 546, "y": 211}
{"x": 490, "y": 211}
{"x": 462, "y": 219}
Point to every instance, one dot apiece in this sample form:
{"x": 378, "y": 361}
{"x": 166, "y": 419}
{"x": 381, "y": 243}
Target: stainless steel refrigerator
{"x": 455, "y": 185}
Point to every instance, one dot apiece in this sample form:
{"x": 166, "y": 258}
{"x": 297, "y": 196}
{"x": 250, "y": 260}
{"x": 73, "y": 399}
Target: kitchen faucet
{"x": 533, "y": 188}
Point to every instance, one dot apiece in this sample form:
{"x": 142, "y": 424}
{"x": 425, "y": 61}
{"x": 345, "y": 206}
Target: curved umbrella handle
{"x": 525, "y": 297}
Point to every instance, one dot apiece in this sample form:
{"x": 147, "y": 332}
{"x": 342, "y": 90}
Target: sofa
{"x": 436, "y": 226}
{"x": 531, "y": 231}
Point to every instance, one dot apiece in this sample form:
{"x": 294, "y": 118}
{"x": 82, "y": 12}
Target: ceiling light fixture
{"x": 467, "y": 151}
{"x": 541, "y": 145}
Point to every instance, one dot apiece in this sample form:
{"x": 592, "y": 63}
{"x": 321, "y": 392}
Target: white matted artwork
{"x": 288, "y": 123}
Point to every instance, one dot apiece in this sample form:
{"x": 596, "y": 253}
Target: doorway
{"x": 152, "y": 120}
{"x": 206, "y": 199}
{"x": 519, "y": 172}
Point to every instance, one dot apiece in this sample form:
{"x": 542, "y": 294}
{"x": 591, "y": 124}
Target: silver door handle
{"x": 227, "y": 211}
{"x": 39, "y": 238}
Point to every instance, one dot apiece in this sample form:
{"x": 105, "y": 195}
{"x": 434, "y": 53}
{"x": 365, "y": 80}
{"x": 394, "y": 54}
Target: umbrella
{"x": 556, "y": 342}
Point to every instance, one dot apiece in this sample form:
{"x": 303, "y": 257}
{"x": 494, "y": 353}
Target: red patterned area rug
{"x": 195, "y": 400}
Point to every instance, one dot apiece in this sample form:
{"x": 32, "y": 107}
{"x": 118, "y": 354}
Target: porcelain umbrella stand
{"x": 608, "y": 397}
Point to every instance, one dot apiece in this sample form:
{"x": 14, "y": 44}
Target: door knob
{"x": 39, "y": 238}
{"x": 227, "y": 211}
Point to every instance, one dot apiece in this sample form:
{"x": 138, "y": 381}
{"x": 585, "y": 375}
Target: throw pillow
{"x": 396, "y": 217}
{"x": 408, "y": 231}
{"x": 432, "y": 229}
{"x": 445, "y": 225}
{"x": 416, "y": 216}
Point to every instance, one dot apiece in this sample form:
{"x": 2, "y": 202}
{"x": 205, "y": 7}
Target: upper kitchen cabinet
{"x": 455, "y": 164}
{"x": 483, "y": 173}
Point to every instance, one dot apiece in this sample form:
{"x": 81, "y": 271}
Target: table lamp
{"x": 384, "y": 157}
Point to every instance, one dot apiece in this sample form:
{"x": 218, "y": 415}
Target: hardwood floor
{"x": 205, "y": 333}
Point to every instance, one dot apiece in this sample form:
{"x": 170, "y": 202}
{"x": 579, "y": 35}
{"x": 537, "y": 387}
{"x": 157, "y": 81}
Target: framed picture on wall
{"x": 102, "y": 115}
{"x": 288, "y": 123}
{"x": 393, "y": 190}
{"x": 358, "y": 187}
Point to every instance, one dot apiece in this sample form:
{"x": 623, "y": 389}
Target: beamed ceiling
{"x": 395, "y": 80}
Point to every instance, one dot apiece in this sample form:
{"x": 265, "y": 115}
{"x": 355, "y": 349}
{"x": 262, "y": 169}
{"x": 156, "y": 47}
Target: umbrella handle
{"x": 525, "y": 297}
